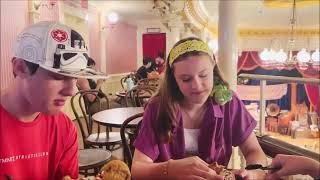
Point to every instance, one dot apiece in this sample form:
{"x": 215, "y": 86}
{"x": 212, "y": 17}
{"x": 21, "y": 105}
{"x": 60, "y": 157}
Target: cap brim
{"x": 87, "y": 73}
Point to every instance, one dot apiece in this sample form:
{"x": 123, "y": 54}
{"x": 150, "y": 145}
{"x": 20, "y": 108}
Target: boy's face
{"x": 47, "y": 92}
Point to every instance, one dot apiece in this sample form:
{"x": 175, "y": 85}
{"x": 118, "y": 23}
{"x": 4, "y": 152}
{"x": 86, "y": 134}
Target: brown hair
{"x": 170, "y": 94}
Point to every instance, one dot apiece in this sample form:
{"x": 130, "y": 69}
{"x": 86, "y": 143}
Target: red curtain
{"x": 250, "y": 60}
{"x": 152, "y": 43}
{"x": 313, "y": 95}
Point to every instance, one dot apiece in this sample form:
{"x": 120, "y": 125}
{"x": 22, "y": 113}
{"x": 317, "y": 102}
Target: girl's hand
{"x": 191, "y": 168}
{"x": 253, "y": 174}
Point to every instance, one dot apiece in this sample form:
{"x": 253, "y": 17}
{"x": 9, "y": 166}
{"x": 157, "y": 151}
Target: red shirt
{"x": 161, "y": 68}
{"x": 45, "y": 148}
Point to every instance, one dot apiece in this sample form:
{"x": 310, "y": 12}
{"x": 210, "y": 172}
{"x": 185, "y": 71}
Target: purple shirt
{"x": 222, "y": 127}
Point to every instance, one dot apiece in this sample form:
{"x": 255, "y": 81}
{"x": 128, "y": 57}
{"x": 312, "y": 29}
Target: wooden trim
{"x": 272, "y": 147}
{"x": 281, "y": 78}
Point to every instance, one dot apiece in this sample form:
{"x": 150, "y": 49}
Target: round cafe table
{"x": 116, "y": 116}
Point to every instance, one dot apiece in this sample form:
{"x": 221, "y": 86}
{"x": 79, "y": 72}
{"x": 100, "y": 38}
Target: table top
{"x": 116, "y": 116}
{"x": 91, "y": 157}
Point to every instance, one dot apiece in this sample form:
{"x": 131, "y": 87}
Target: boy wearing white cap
{"x": 37, "y": 141}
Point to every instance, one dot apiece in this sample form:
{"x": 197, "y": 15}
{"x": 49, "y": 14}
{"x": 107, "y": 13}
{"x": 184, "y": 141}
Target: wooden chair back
{"x": 85, "y": 111}
{"x": 132, "y": 133}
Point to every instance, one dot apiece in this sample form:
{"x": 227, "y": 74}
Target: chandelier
{"x": 163, "y": 7}
{"x": 303, "y": 56}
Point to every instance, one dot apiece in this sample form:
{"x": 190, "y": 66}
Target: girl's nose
{"x": 196, "y": 83}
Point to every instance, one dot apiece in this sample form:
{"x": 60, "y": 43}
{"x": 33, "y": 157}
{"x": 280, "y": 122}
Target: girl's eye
{"x": 186, "y": 80}
{"x": 203, "y": 75}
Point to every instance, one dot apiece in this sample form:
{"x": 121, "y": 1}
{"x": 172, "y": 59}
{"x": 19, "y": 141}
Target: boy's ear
{"x": 20, "y": 68}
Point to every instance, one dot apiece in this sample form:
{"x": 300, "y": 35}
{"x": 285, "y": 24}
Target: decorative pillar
{"x": 175, "y": 25}
{"x": 227, "y": 40}
{"x": 186, "y": 32}
{"x": 227, "y": 54}
{"x": 103, "y": 44}
{"x": 262, "y": 119}
{"x": 33, "y": 11}
{"x": 61, "y": 7}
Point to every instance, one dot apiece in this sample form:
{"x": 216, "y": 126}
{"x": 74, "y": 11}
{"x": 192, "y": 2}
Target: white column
{"x": 227, "y": 40}
{"x": 34, "y": 14}
{"x": 61, "y": 7}
{"x": 262, "y": 121}
{"x": 103, "y": 44}
{"x": 175, "y": 26}
{"x": 227, "y": 53}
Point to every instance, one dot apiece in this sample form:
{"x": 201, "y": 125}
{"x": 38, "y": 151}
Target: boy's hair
{"x": 146, "y": 60}
{"x": 161, "y": 55}
{"x": 32, "y": 67}
{"x": 91, "y": 62}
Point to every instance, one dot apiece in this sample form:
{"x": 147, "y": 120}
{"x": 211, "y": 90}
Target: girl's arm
{"x": 252, "y": 151}
{"x": 143, "y": 166}
{"x": 188, "y": 168}
{"x": 253, "y": 154}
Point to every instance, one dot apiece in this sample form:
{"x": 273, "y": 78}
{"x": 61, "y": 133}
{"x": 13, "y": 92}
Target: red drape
{"x": 313, "y": 95}
{"x": 250, "y": 60}
{"x": 153, "y": 43}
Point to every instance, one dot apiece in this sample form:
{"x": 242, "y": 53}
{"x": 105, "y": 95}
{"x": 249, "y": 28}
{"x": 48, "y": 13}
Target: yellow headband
{"x": 188, "y": 46}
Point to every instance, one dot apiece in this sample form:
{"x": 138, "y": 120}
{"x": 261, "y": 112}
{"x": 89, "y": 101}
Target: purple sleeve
{"x": 146, "y": 141}
{"x": 242, "y": 122}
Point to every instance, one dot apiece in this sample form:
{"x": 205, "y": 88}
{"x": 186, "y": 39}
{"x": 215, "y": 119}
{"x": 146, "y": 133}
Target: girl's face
{"x": 194, "y": 76}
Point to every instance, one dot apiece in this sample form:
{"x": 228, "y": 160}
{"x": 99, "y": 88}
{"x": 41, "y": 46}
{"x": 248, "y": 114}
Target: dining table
{"x": 116, "y": 116}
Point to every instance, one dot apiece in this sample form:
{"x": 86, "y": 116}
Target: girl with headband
{"x": 194, "y": 121}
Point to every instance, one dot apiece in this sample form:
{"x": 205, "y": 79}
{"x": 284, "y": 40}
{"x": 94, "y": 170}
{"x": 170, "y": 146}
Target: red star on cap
{"x": 59, "y": 35}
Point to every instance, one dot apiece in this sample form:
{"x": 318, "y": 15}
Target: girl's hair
{"x": 170, "y": 94}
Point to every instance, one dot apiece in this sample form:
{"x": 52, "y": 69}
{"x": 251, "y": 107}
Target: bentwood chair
{"x": 108, "y": 139}
{"x": 152, "y": 82}
{"x": 142, "y": 94}
{"x": 132, "y": 132}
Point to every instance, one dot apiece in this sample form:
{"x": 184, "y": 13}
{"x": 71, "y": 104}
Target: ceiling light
{"x": 113, "y": 18}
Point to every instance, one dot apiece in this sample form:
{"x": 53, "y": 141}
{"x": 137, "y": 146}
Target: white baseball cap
{"x": 56, "y": 48}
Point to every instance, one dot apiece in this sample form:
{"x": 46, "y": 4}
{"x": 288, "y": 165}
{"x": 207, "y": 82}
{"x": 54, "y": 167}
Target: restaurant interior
{"x": 268, "y": 51}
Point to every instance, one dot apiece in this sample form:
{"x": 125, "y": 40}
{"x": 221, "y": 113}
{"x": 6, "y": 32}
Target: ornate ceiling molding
{"x": 288, "y": 3}
{"x": 201, "y": 21}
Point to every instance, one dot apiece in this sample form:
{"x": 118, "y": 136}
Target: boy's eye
{"x": 58, "y": 77}
{"x": 203, "y": 75}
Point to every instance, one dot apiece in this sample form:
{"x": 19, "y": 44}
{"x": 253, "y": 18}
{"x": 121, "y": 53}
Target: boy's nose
{"x": 69, "y": 87}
